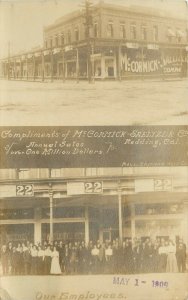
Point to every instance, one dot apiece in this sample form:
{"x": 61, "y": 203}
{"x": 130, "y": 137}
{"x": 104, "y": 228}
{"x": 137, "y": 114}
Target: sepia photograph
{"x": 93, "y": 149}
{"x": 127, "y": 57}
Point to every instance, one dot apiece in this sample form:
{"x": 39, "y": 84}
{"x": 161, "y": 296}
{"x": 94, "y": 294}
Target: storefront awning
{"x": 37, "y": 54}
{"x": 170, "y": 32}
{"x": 56, "y": 50}
{"x": 46, "y": 52}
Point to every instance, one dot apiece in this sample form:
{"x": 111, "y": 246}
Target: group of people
{"x": 139, "y": 256}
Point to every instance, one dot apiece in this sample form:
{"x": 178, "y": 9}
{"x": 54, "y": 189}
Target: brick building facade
{"x": 118, "y": 43}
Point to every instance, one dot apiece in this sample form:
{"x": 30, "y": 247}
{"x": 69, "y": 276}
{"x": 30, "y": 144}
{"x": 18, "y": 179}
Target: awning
{"x": 56, "y": 50}
{"x": 170, "y": 32}
{"x": 180, "y": 33}
{"x": 46, "y": 52}
{"x": 37, "y": 54}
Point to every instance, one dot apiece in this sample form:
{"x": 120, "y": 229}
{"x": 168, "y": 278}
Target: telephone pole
{"x": 88, "y": 24}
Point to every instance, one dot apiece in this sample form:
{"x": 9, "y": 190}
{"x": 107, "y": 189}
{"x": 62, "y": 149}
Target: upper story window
{"x": 46, "y": 44}
{"x": 179, "y": 35}
{"x": 144, "y": 32}
{"x": 110, "y": 29}
{"x": 51, "y": 42}
{"x": 62, "y": 39}
{"x": 170, "y": 34}
{"x": 96, "y": 33}
{"x": 122, "y": 31}
{"x": 133, "y": 31}
{"x": 155, "y": 33}
{"x": 56, "y": 41}
{"x": 76, "y": 32}
{"x": 69, "y": 37}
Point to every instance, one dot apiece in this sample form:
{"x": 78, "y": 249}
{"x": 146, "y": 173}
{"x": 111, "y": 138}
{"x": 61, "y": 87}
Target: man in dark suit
{"x": 181, "y": 256}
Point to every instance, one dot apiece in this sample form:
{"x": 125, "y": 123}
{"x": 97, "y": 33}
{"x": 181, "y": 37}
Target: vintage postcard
{"x": 93, "y": 149}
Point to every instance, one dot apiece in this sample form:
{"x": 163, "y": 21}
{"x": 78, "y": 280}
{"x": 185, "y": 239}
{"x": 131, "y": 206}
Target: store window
{"x": 155, "y": 33}
{"x": 122, "y": 31}
{"x": 110, "y": 29}
{"x": 16, "y": 214}
{"x": 76, "y": 32}
{"x": 144, "y": 32}
{"x": 133, "y": 31}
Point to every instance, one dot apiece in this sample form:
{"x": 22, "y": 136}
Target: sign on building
{"x": 81, "y": 188}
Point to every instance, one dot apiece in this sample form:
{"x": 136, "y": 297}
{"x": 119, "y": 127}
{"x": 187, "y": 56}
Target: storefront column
{"x": 20, "y": 68}
{"x": 34, "y": 67}
{"x": 103, "y": 66}
{"x": 119, "y": 62}
{"x": 51, "y": 217}
{"x": 37, "y": 225}
{"x": 77, "y": 65}
{"x": 133, "y": 225}
{"x": 42, "y": 59}
{"x": 64, "y": 66}
{"x": 100, "y": 225}
{"x": 120, "y": 216}
{"x": 52, "y": 65}
{"x": 27, "y": 71}
{"x": 86, "y": 225}
{"x": 115, "y": 66}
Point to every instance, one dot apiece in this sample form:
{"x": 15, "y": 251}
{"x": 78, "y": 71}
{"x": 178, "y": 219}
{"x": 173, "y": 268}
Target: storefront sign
{"x": 152, "y": 61}
{"x": 152, "y": 47}
{"x": 25, "y": 190}
{"x": 68, "y": 48}
{"x": 80, "y": 188}
{"x": 88, "y": 146}
{"x": 153, "y": 184}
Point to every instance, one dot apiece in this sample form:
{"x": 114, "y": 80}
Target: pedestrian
{"x": 55, "y": 266}
{"x": 4, "y": 259}
{"x": 47, "y": 260}
{"x": 171, "y": 266}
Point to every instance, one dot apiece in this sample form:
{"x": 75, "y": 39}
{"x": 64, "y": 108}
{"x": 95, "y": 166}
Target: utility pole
{"x": 8, "y": 69}
{"x": 88, "y": 24}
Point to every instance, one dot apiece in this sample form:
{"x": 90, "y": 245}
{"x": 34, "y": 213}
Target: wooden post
{"x": 120, "y": 215}
{"x": 42, "y": 59}
{"x": 51, "y": 216}
{"x": 86, "y": 225}
{"x": 77, "y": 65}
{"x": 119, "y": 62}
{"x": 52, "y": 65}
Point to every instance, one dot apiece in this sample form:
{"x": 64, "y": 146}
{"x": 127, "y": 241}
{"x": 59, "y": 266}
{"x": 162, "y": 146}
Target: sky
{"x": 22, "y": 21}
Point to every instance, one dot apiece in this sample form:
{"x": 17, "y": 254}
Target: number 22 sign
{"x": 24, "y": 190}
{"x": 93, "y": 187}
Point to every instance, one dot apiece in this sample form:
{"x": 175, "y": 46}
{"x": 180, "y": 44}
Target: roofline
{"x": 129, "y": 9}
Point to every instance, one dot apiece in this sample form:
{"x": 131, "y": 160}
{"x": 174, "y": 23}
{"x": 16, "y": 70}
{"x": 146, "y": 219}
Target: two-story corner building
{"x": 94, "y": 203}
{"x": 118, "y": 43}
